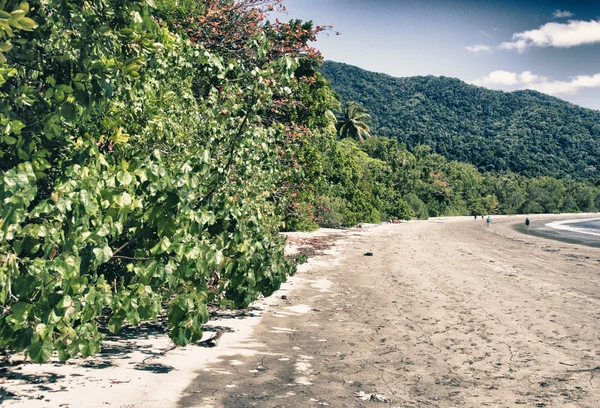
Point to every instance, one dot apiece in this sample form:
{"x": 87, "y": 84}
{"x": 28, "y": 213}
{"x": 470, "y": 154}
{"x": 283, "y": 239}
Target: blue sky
{"x": 550, "y": 46}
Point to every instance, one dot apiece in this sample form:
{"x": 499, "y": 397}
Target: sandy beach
{"x": 445, "y": 313}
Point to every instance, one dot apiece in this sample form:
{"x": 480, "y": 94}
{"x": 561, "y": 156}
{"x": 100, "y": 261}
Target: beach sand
{"x": 446, "y": 313}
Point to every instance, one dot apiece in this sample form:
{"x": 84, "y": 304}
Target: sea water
{"x": 590, "y": 226}
{"x": 584, "y": 231}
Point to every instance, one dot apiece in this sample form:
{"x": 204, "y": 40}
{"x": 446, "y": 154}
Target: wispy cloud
{"x": 508, "y": 81}
{"x": 561, "y": 35}
{"x": 478, "y": 48}
{"x": 562, "y": 14}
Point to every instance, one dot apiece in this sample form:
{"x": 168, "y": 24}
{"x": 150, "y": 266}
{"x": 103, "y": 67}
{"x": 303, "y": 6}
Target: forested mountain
{"x": 526, "y": 132}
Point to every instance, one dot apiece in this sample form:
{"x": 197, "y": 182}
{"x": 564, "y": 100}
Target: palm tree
{"x": 352, "y": 122}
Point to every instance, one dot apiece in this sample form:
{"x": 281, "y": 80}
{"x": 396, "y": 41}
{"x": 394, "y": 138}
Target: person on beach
{"x": 527, "y": 223}
{"x": 489, "y": 221}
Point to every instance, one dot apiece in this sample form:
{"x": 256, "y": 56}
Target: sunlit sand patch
{"x": 283, "y": 314}
{"x": 322, "y": 284}
{"x": 302, "y": 366}
{"x": 216, "y": 371}
{"x": 299, "y": 309}
{"x": 282, "y": 330}
{"x": 302, "y": 381}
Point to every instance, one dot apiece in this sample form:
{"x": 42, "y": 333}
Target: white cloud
{"x": 562, "y": 35}
{"x": 478, "y": 48}
{"x": 562, "y": 14}
{"x": 509, "y": 81}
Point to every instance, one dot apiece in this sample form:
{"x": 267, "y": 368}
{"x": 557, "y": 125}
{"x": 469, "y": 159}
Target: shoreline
{"x": 445, "y": 312}
{"x": 540, "y": 229}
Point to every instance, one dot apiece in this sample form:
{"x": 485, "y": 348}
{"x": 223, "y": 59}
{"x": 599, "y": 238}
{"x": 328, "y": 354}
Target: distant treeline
{"x": 380, "y": 179}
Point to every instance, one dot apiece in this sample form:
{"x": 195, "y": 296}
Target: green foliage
{"x": 418, "y": 207}
{"x": 352, "y": 122}
{"x": 404, "y": 211}
{"x": 380, "y": 179}
{"x": 138, "y": 175}
{"x": 524, "y": 132}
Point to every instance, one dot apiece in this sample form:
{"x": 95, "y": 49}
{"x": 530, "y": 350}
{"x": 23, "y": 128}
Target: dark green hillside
{"x": 525, "y": 132}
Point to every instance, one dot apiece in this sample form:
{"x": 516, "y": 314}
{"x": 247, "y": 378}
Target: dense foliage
{"x": 380, "y": 180}
{"x": 525, "y": 132}
{"x": 152, "y": 150}
{"x": 146, "y": 167}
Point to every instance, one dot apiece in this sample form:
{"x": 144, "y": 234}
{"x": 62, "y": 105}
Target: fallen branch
{"x": 212, "y": 340}
{"x": 586, "y": 370}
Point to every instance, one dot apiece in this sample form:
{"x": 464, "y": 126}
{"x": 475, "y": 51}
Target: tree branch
{"x": 121, "y": 248}
{"x": 128, "y": 258}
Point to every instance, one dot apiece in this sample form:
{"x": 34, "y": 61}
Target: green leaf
{"x": 88, "y": 347}
{"x": 18, "y": 14}
{"x": 116, "y": 321}
{"x": 9, "y": 140}
{"x": 124, "y": 177}
{"x": 103, "y": 255}
{"x": 40, "y": 351}
{"x": 19, "y": 311}
{"x": 104, "y": 230}
{"x": 24, "y": 6}
{"x": 27, "y": 24}
{"x": 123, "y": 200}
{"x": 65, "y": 88}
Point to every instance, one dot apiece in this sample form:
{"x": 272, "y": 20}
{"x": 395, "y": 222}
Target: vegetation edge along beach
{"x": 152, "y": 152}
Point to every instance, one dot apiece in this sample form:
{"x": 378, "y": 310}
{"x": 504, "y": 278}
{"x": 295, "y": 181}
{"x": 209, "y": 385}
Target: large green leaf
{"x": 40, "y": 351}
{"x": 103, "y": 254}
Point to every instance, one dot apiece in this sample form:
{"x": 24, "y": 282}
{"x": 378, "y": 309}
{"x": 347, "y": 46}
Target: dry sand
{"x": 446, "y": 313}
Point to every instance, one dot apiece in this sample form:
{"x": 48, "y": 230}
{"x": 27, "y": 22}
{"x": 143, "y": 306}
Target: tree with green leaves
{"x": 352, "y": 122}
{"x": 137, "y": 171}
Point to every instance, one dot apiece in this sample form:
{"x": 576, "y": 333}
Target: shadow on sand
{"x": 117, "y": 349}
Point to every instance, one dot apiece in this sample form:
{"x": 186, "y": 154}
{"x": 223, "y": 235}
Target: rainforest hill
{"x": 525, "y": 132}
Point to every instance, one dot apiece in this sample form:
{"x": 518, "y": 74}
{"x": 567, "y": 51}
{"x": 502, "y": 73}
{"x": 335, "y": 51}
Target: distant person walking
{"x": 527, "y": 223}
{"x": 489, "y": 221}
